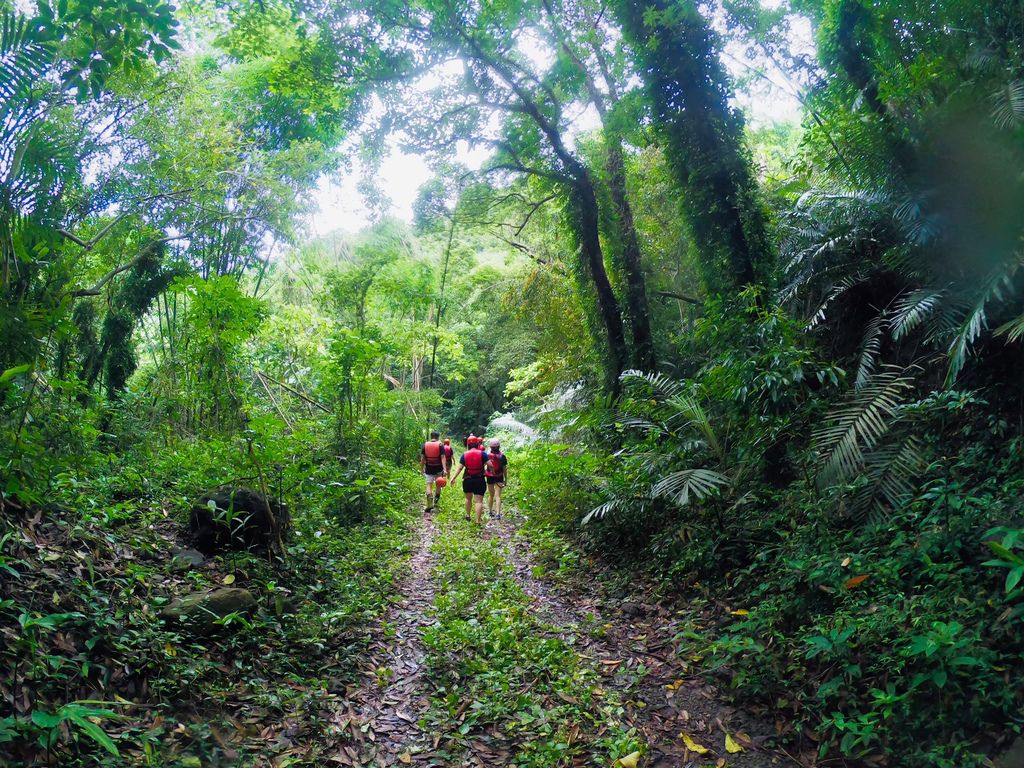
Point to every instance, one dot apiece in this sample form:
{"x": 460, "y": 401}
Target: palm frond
{"x": 1012, "y": 330}
{"x": 983, "y": 58}
{"x": 674, "y": 408}
{"x": 869, "y": 351}
{"x": 891, "y": 471}
{"x": 679, "y": 487}
{"x": 661, "y": 384}
{"x": 1008, "y": 105}
{"x": 976, "y": 321}
{"x": 642, "y": 424}
{"x": 614, "y": 505}
{"x": 834, "y": 293}
{"x": 918, "y": 221}
{"x": 686, "y": 407}
{"x": 912, "y": 308}
{"x": 23, "y": 58}
{"x": 858, "y": 425}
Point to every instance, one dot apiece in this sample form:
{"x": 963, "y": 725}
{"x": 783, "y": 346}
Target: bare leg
{"x": 479, "y": 509}
{"x": 496, "y": 490}
{"x": 490, "y": 499}
{"x": 430, "y": 495}
{"x": 469, "y": 504}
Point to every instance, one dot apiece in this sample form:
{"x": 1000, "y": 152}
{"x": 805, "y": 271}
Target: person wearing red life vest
{"x": 496, "y": 474}
{"x": 474, "y": 486}
{"x": 449, "y": 461}
{"x": 434, "y": 464}
{"x": 449, "y": 454}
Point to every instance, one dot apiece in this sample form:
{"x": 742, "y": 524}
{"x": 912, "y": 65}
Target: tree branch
{"x": 295, "y": 392}
{"x": 681, "y": 297}
{"x": 98, "y": 287}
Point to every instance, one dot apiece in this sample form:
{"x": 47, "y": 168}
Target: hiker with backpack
{"x": 434, "y": 465}
{"x": 496, "y": 475}
{"x": 473, "y": 462}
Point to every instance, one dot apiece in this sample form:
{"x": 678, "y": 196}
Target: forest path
{"x": 633, "y": 644}
{"x": 630, "y": 645}
{"x": 393, "y": 694}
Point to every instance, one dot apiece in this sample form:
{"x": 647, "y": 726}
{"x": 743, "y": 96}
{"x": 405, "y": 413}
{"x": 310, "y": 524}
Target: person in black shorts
{"x": 474, "y": 485}
{"x": 496, "y": 474}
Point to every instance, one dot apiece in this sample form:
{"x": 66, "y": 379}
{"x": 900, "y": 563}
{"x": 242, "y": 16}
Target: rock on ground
{"x": 236, "y": 518}
{"x": 201, "y": 610}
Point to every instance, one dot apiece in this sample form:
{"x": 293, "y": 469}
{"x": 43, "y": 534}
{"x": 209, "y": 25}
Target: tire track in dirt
{"x": 381, "y": 725}
{"x": 632, "y": 644}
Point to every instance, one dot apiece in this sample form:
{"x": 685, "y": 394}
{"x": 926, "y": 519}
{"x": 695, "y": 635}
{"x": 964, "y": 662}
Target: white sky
{"x": 341, "y": 206}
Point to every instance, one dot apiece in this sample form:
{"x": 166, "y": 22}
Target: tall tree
{"x": 577, "y": 30}
{"x": 503, "y": 99}
{"x": 689, "y": 93}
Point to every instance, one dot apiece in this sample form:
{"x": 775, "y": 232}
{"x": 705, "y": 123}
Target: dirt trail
{"x": 630, "y": 642}
{"x": 393, "y": 694}
{"x": 632, "y": 636}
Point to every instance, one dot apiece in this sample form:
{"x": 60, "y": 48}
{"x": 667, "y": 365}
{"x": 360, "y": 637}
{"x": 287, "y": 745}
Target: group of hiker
{"x": 484, "y": 471}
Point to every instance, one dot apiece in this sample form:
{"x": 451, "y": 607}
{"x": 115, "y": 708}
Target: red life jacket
{"x": 473, "y": 459}
{"x": 432, "y": 452}
{"x": 448, "y": 452}
{"x": 494, "y": 465}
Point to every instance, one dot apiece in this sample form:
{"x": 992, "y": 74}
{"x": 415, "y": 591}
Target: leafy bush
{"x": 555, "y": 484}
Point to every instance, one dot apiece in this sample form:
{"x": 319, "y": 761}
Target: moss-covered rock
{"x": 200, "y": 611}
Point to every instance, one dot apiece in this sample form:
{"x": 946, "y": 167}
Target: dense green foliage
{"x": 775, "y": 365}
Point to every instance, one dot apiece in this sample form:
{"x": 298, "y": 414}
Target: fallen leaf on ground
{"x": 850, "y": 583}
{"x": 629, "y": 761}
{"x": 405, "y": 757}
{"x": 731, "y": 745}
{"x": 692, "y": 745}
{"x": 229, "y": 579}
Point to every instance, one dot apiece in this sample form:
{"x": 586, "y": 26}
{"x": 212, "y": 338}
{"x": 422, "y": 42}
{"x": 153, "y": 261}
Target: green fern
{"x": 997, "y": 287}
{"x": 858, "y": 425}
{"x": 913, "y": 308}
{"x": 679, "y": 487}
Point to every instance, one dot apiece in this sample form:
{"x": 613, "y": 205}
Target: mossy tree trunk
{"x": 688, "y": 90}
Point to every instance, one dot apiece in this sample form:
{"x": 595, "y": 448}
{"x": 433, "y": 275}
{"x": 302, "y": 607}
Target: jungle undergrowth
{"x": 96, "y": 679}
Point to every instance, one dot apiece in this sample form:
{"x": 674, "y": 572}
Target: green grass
{"x": 496, "y": 664}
